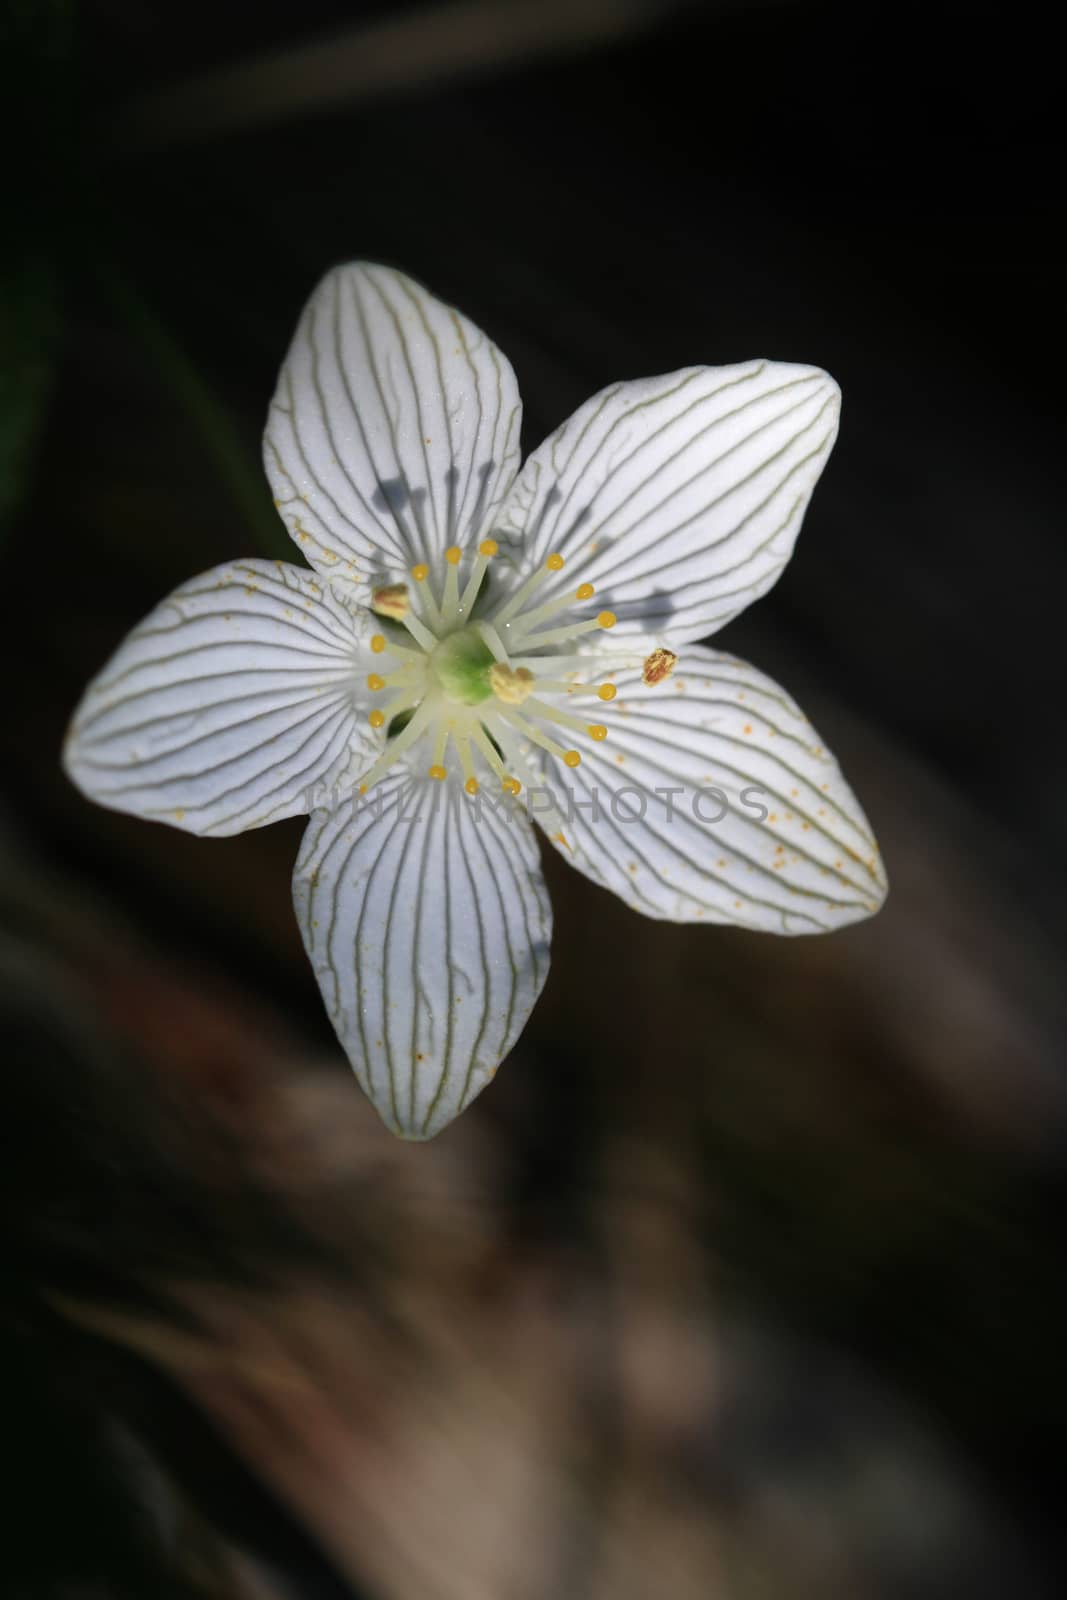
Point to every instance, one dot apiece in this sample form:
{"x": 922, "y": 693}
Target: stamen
{"x": 485, "y": 745}
{"x": 396, "y": 747}
{"x": 535, "y": 736}
{"x": 377, "y": 719}
{"x": 562, "y": 686}
{"x": 513, "y": 786}
{"x": 391, "y": 600}
{"x": 597, "y": 731}
{"x": 439, "y": 744}
{"x": 427, "y": 599}
{"x": 593, "y": 661}
{"x": 513, "y": 687}
{"x": 552, "y": 608}
{"x": 400, "y": 679}
{"x": 450, "y": 598}
{"x": 419, "y": 632}
{"x": 486, "y": 551}
{"x": 406, "y": 655}
{"x": 403, "y": 702}
{"x": 377, "y": 643}
{"x": 493, "y": 640}
{"x": 549, "y": 815}
{"x": 533, "y": 582}
{"x": 659, "y": 666}
{"x": 463, "y": 745}
{"x": 606, "y": 619}
{"x": 541, "y": 708}
{"x": 438, "y": 772}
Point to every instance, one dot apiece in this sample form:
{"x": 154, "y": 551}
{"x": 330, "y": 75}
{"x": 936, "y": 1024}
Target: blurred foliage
{"x": 35, "y": 103}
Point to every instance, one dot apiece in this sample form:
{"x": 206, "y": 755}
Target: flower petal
{"x": 761, "y": 829}
{"x": 679, "y": 498}
{"x": 227, "y": 705}
{"x": 394, "y": 429}
{"x": 425, "y": 917}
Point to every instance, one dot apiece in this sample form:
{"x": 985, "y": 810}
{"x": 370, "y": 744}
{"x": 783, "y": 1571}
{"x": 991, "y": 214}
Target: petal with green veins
{"x": 425, "y": 918}
{"x": 790, "y": 851}
{"x": 227, "y": 705}
{"x": 394, "y": 429}
{"x": 679, "y": 498}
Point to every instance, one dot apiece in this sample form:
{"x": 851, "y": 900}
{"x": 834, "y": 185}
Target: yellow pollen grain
{"x": 488, "y": 547}
{"x": 607, "y": 691}
{"x": 512, "y": 785}
{"x": 585, "y": 591}
{"x": 439, "y": 773}
{"x": 607, "y": 619}
{"x": 453, "y": 555}
{"x": 555, "y": 563}
{"x": 391, "y": 601}
{"x": 377, "y": 719}
{"x": 374, "y": 682}
{"x": 421, "y": 572}
{"x": 472, "y": 786}
{"x": 377, "y": 643}
{"x": 597, "y": 730}
{"x": 572, "y": 758}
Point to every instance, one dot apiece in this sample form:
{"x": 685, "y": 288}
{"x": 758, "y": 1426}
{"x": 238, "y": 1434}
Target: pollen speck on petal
{"x": 658, "y": 667}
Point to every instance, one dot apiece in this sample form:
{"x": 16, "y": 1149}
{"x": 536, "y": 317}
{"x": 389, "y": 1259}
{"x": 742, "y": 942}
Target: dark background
{"x": 743, "y": 1278}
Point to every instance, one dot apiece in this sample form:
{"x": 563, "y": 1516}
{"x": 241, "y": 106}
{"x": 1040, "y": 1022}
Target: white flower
{"x": 526, "y": 623}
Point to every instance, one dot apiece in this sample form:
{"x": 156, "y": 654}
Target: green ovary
{"x": 461, "y": 665}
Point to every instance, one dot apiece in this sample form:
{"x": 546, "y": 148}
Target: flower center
{"x": 481, "y": 691}
{"x": 461, "y": 664}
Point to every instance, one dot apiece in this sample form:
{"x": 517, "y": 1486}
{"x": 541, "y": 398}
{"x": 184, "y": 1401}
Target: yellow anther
{"x": 512, "y": 785}
{"x": 555, "y": 563}
{"x": 513, "y": 685}
{"x": 374, "y": 682}
{"x": 421, "y": 572}
{"x": 572, "y": 758}
{"x": 607, "y": 691}
{"x": 471, "y": 786}
{"x": 607, "y": 619}
{"x": 377, "y": 643}
{"x": 597, "y": 730}
{"x": 453, "y": 555}
{"x": 488, "y": 547}
{"x": 659, "y": 665}
{"x": 391, "y": 601}
{"x": 585, "y": 591}
{"x": 439, "y": 773}
{"x": 377, "y": 719}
